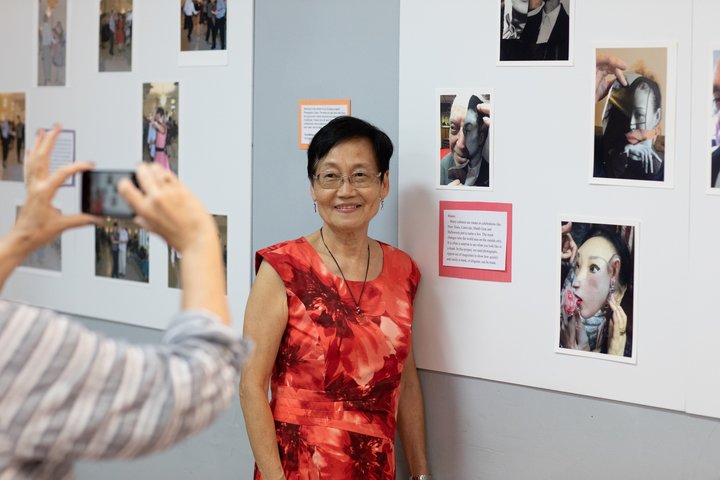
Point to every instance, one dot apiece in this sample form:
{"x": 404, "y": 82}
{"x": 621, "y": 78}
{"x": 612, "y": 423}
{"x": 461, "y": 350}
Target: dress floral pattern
{"x": 336, "y": 380}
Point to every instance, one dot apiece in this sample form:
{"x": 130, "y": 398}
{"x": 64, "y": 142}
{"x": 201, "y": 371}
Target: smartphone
{"x": 100, "y": 194}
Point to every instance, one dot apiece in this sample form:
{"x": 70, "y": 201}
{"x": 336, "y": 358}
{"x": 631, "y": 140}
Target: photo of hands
{"x": 597, "y": 289}
{"x": 632, "y": 116}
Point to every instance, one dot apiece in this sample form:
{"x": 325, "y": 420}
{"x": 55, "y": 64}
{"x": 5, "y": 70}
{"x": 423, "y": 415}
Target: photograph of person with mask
{"x": 630, "y": 116}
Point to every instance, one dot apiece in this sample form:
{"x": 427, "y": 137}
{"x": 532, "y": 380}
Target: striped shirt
{"x": 68, "y": 393}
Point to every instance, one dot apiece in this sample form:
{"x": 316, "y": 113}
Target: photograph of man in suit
{"x": 533, "y": 30}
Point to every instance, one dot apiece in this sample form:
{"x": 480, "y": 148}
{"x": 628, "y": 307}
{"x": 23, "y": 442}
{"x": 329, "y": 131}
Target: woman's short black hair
{"x": 346, "y": 128}
{"x": 625, "y": 276}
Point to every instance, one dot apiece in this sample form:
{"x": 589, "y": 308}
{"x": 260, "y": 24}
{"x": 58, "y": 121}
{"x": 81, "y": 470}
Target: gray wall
{"x": 476, "y": 429}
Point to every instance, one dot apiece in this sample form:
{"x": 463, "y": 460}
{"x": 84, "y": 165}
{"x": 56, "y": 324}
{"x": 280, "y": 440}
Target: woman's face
{"x": 349, "y": 208}
{"x": 593, "y": 274}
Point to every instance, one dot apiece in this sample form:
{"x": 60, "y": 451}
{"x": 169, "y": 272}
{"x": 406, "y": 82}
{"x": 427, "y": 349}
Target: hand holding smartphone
{"x": 100, "y": 194}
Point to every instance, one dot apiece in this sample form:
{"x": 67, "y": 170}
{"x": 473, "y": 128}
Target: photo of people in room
{"x": 715, "y": 122}
{"x": 160, "y": 124}
{"x": 597, "y": 279}
{"x": 12, "y": 135}
{"x": 175, "y": 259}
{"x": 115, "y": 40}
{"x": 535, "y": 30}
{"x": 203, "y": 25}
{"x": 630, "y": 114}
{"x": 47, "y": 257}
{"x": 465, "y": 139}
{"x": 52, "y": 39}
{"x": 122, "y": 250}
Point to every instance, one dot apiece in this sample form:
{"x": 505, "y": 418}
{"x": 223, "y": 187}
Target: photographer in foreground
{"x": 67, "y": 393}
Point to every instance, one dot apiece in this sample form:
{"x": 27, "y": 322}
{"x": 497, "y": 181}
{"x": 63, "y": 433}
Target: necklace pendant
{"x": 358, "y": 311}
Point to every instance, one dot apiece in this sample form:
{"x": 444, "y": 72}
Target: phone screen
{"x": 100, "y": 195}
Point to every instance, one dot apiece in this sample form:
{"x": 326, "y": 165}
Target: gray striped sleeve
{"x": 78, "y": 394}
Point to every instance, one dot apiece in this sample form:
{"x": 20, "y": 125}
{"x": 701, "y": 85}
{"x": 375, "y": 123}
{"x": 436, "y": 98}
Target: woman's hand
{"x": 39, "y": 222}
{"x": 165, "y": 206}
{"x": 568, "y": 250}
{"x": 618, "y": 328}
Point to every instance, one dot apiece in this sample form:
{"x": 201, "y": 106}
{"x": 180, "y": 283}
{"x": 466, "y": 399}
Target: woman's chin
{"x": 588, "y": 312}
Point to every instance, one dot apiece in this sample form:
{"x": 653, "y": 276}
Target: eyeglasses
{"x": 333, "y": 181}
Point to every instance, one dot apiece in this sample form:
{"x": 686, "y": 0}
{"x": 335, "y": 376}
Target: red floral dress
{"x": 336, "y": 381}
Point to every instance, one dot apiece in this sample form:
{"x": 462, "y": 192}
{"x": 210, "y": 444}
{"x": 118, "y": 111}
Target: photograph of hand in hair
{"x": 630, "y": 106}
{"x": 465, "y": 140}
{"x": 597, "y": 276}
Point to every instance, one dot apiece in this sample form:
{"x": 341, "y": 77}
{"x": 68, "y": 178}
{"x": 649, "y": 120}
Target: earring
{"x": 612, "y": 286}
{"x": 315, "y": 207}
{"x": 382, "y": 204}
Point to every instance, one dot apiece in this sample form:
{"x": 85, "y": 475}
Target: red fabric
{"x": 336, "y": 381}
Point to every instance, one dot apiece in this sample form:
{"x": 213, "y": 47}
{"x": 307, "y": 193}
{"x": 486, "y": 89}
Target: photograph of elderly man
{"x": 535, "y": 30}
{"x": 465, "y": 140}
{"x": 715, "y": 123}
{"x": 630, "y": 100}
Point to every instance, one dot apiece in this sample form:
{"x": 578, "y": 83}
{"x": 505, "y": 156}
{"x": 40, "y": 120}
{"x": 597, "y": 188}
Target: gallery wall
{"x": 542, "y": 122}
{"x": 106, "y": 110}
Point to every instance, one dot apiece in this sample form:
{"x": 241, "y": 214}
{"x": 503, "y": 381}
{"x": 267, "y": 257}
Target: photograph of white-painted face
{"x": 597, "y": 289}
{"x": 715, "y": 123}
{"x": 160, "y": 124}
{"x": 203, "y": 25}
{"x": 175, "y": 258}
{"x": 52, "y": 40}
{"x": 465, "y": 141}
{"x": 535, "y": 32}
{"x": 12, "y": 135}
{"x": 116, "y": 34}
{"x": 47, "y": 257}
{"x": 632, "y": 116}
{"x": 122, "y": 250}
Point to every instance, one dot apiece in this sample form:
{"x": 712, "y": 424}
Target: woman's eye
{"x": 360, "y": 175}
{"x": 330, "y": 176}
{"x": 594, "y": 268}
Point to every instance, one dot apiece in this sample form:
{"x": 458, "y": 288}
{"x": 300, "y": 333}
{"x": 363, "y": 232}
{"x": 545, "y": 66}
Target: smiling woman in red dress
{"x": 331, "y": 314}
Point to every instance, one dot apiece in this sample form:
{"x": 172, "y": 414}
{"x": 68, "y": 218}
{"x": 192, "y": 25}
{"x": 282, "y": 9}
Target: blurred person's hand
{"x": 165, "y": 206}
{"x": 39, "y": 221}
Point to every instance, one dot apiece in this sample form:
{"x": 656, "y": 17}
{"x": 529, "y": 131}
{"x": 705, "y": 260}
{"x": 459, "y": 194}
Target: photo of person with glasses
{"x": 331, "y": 314}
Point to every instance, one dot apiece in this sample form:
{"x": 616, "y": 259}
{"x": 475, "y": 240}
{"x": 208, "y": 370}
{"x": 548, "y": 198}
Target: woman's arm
{"x": 265, "y": 321}
{"x": 411, "y": 419}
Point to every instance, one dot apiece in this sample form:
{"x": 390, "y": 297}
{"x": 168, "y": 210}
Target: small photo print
{"x": 535, "y": 32}
{"x": 115, "y": 40}
{"x": 465, "y": 141}
{"x": 12, "y": 135}
{"x": 632, "y": 116}
{"x": 715, "y": 123}
{"x": 597, "y": 289}
{"x": 203, "y": 25}
{"x": 52, "y": 38}
{"x": 47, "y": 257}
{"x": 122, "y": 250}
{"x": 160, "y": 124}
{"x": 175, "y": 258}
